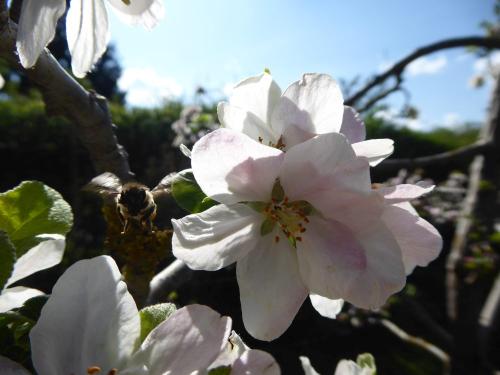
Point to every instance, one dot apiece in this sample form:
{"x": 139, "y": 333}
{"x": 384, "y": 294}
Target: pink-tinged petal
{"x": 12, "y": 298}
{"x": 361, "y": 268}
{"x": 271, "y": 291}
{"x": 375, "y": 150}
{"x": 355, "y": 210}
{"x": 146, "y": 13}
{"x": 230, "y": 167}
{"x": 46, "y": 254}
{"x": 307, "y": 367}
{"x": 87, "y": 33}
{"x": 321, "y": 164}
{"x": 257, "y": 95}
{"x": 9, "y": 367}
{"x": 89, "y": 320}
{"x": 420, "y": 242}
{"x": 232, "y": 117}
{"x": 255, "y": 362}
{"x": 329, "y": 308}
{"x": 403, "y": 192}
{"x": 313, "y": 105}
{"x": 189, "y": 340}
{"x": 216, "y": 237}
{"x": 37, "y": 27}
{"x": 353, "y": 126}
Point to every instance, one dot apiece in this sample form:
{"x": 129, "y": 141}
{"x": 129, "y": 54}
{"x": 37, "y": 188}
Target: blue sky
{"x": 219, "y": 42}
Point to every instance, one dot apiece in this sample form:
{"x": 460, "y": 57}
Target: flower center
{"x": 94, "y": 370}
{"x": 290, "y": 216}
{"x": 279, "y": 145}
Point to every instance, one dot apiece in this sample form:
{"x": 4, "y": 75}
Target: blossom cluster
{"x": 297, "y": 210}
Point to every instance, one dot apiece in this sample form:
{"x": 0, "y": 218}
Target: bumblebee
{"x": 134, "y": 201}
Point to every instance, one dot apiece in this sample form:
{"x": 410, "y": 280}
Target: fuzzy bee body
{"x": 134, "y": 202}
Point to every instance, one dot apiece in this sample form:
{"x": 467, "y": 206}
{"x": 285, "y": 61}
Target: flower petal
{"x": 9, "y": 367}
{"x": 37, "y": 27}
{"x": 189, "y": 340}
{"x": 238, "y": 119}
{"x": 234, "y": 348}
{"x": 87, "y": 34}
{"x": 420, "y": 242}
{"x": 375, "y": 150}
{"x": 313, "y": 105}
{"x": 403, "y": 192}
{"x": 361, "y": 268}
{"x": 323, "y": 163}
{"x": 216, "y": 237}
{"x": 230, "y": 167}
{"x": 15, "y": 297}
{"x": 352, "y": 126}
{"x": 329, "y": 308}
{"x": 271, "y": 291}
{"x": 139, "y": 12}
{"x": 46, "y": 254}
{"x": 257, "y": 95}
{"x": 255, "y": 362}
{"x": 347, "y": 367}
{"x": 89, "y": 320}
{"x": 307, "y": 367}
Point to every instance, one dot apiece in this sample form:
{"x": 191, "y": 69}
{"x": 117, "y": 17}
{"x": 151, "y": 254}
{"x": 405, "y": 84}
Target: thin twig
{"x": 398, "y": 68}
{"x": 462, "y": 155}
{"x": 168, "y": 280}
{"x": 418, "y": 342}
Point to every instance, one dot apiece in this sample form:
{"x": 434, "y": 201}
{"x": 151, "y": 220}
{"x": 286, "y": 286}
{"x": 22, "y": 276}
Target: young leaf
{"x": 188, "y": 194}
{"x": 7, "y": 258}
{"x": 30, "y": 209}
{"x": 222, "y": 370}
{"x": 153, "y": 315}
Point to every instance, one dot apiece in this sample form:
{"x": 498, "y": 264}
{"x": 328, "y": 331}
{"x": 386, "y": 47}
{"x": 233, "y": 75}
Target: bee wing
{"x": 164, "y": 187}
{"x": 107, "y": 185}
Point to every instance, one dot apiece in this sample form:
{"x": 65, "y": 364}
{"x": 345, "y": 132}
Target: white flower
{"x": 86, "y": 27}
{"x": 311, "y": 106}
{"x": 91, "y": 323}
{"x": 46, "y": 254}
{"x": 298, "y": 223}
{"x": 344, "y": 367}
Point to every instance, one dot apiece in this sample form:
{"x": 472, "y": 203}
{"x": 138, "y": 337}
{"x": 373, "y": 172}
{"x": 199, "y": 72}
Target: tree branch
{"x": 398, "y": 68}
{"x": 418, "y": 342}
{"x": 462, "y": 154}
{"x": 65, "y": 96}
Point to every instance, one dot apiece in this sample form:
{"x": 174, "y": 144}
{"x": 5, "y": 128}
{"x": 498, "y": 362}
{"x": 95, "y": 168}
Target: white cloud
{"x": 145, "y": 87}
{"x": 390, "y": 115}
{"x": 427, "y": 65}
{"x": 451, "y": 119}
{"x": 228, "y": 89}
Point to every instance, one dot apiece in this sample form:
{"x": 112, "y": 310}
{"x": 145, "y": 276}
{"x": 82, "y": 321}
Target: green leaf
{"x": 267, "y": 226}
{"x": 277, "y": 193}
{"x": 153, "y": 315}
{"x": 7, "y": 258}
{"x": 366, "y": 360}
{"x": 32, "y": 308}
{"x": 30, "y": 209}
{"x": 188, "y": 194}
{"x": 222, "y": 370}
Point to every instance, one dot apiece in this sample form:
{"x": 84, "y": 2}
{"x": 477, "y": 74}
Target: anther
{"x": 277, "y": 239}
{"x": 93, "y": 370}
{"x": 113, "y": 371}
{"x": 298, "y": 238}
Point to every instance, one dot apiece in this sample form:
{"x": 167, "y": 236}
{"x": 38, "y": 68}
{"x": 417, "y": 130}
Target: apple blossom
{"x": 91, "y": 325}
{"x": 46, "y": 254}
{"x": 298, "y": 223}
{"x": 86, "y": 27}
{"x": 311, "y": 106}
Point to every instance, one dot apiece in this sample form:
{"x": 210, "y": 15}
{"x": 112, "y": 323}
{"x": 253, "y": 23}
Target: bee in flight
{"x": 134, "y": 201}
